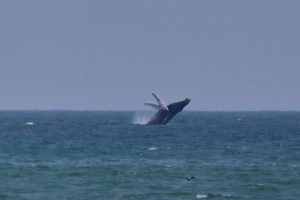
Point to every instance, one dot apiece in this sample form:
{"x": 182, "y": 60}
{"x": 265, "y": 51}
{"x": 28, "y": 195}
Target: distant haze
{"x": 111, "y": 55}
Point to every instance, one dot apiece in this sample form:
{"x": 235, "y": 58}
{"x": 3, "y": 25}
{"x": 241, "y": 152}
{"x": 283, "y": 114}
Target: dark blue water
{"x": 104, "y": 155}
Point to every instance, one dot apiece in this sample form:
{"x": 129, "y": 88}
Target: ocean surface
{"x": 112, "y": 155}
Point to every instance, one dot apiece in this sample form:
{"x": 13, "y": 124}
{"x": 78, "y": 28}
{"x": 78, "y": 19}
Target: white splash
{"x": 29, "y": 123}
{"x": 141, "y": 118}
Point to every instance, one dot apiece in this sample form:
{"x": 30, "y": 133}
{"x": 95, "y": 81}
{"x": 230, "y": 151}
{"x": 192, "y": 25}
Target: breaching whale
{"x": 165, "y": 112}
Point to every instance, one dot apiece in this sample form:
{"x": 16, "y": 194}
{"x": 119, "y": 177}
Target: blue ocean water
{"x": 109, "y": 155}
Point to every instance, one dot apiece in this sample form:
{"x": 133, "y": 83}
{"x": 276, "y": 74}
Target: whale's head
{"x": 187, "y": 101}
{"x": 178, "y": 106}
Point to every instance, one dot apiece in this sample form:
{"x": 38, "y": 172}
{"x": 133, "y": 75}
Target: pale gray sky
{"x": 111, "y": 55}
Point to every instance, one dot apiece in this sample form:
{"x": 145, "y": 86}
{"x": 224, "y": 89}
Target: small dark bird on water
{"x": 190, "y": 178}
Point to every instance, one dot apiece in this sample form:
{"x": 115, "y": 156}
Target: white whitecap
{"x": 201, "y": 196}
{"x": 152, "y": 148}
{"x": 29, "y": 123}
{"x": 226, "y": 195}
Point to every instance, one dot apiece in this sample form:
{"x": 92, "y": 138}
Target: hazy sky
{"x": 111, "y": 55}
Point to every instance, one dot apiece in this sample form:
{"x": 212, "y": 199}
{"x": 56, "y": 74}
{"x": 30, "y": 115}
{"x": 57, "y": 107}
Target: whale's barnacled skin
{"x": 163, "y": 116}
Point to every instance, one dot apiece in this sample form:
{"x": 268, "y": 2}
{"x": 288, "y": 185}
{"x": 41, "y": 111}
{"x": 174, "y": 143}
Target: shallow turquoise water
{"x": 104, "y": 155}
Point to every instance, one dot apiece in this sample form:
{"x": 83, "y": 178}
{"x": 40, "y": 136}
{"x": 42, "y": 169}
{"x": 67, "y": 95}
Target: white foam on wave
{"x": 141, "y": 118}
{"x": 152, "y": 148}
{"x": 201, "y": 196}
{"x": 29, "y": 123}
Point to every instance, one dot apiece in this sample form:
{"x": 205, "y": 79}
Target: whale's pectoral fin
{"x": 160, "y": 102}
{"x": 153, "y": 105}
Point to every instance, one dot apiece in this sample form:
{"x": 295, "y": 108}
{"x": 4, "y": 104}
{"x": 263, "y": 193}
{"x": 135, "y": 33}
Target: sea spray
{"x": 141, "y": 117}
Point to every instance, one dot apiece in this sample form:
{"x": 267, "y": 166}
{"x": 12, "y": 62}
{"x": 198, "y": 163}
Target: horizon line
{"x": 127, "y": 110}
